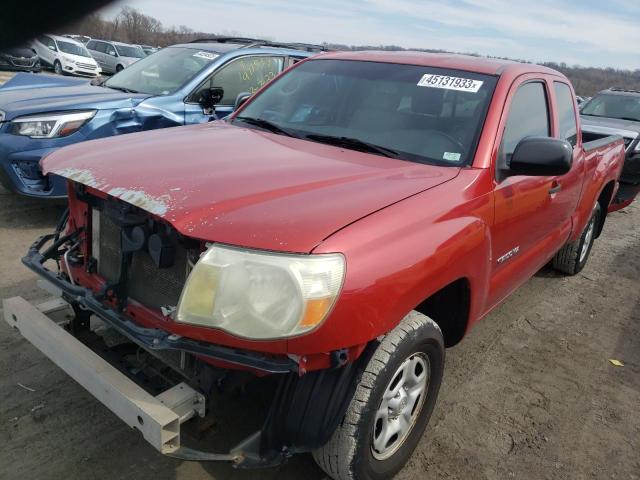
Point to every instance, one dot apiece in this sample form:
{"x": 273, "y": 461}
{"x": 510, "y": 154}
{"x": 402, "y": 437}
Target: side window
{"x": 528, "y": 116}
{"x": 566, "y": 113}
{"x": 48, "y": 42}
{"x": 246, "y": 74}
{"x": 91, "y": 45}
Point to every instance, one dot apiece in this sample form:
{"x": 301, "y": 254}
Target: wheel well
{"x": 604, "y": 200}
{"x": 449, "y": 308}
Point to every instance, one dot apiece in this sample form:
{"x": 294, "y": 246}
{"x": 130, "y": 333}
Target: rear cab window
{"x": 566, "y": 113}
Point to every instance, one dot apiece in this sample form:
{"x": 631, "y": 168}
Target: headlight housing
{"x": 637, "y": 147}
{"x": 52, "y": 125}
{"x": 261, "y": 295}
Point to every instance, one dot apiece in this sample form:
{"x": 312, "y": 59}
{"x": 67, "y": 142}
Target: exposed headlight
{"x": 261, "y": 295}
{"x": 51, "y": 125}
{"x": 637, "y": 147}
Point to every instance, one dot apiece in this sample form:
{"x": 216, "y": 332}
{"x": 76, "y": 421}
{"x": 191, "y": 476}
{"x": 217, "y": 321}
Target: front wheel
{"x": 391, "y": 406}
{"x": 57, "y": 67}
{"x": 572, "y": 258}
{"x": 119, "y": 68}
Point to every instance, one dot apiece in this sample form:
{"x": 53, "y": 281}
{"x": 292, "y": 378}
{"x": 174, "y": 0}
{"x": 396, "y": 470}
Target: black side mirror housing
{"x": 541, "y": 156}
{"x": 210, "y": 97}
{"x": 240, "y": 99}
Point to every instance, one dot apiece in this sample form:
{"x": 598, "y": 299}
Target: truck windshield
{"x": 626, "y": 107}
{"x": 162, "y": 73}
{"x": 73, "y": 49}
{"x": 414, "y": 113}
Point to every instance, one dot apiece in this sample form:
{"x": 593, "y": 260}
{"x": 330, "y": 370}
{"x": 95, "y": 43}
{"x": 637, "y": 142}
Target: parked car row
{"x": 73, "y": 55}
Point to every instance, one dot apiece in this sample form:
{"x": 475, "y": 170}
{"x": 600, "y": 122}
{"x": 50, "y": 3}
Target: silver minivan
{"x": 114, "y": 56}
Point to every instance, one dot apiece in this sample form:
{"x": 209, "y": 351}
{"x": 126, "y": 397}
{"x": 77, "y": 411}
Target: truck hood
{"x": 28, "y": 98}
{"x": 631, "y": 128}
{"x": 239, "y": 186}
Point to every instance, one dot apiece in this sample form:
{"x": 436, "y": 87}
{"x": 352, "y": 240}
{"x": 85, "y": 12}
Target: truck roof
{"x": 488, "y": 66}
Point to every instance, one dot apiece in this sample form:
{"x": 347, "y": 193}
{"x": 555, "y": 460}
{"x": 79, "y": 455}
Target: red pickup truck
{"x": 349, "y": 222}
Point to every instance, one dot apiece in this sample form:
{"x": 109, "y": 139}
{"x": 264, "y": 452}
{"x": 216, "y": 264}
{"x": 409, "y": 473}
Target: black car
{"x": 21, "y": 58}
{"x": 616, "y": 111}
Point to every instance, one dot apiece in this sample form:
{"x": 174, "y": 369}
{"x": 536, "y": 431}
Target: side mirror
{"x": 241, "y": 99}
{"x": 52, "y": 48}
{"x": 210, "y": 97}
{"x": 112, "y": 53}
{"x": 541, "y": 156}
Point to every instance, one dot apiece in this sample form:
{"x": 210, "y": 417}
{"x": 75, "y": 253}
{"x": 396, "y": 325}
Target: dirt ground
{"x": 529, "y": 394}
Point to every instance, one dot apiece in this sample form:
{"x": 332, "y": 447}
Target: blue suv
{"x": 178, "y": 85}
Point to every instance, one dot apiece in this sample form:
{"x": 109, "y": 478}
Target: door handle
{"x": 555, "y": 188}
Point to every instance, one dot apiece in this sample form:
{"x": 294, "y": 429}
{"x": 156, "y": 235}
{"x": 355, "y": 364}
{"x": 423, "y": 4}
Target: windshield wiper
{"x": 122, "y": 89}
{"x": 353, "y": 143}
{"x": 266, "y": 125}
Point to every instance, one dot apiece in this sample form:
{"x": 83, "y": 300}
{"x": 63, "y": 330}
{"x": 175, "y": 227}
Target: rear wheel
{"x": 391, "y": 406}
{"x": 572, "y": 258}
{"x": 57, "y": 67}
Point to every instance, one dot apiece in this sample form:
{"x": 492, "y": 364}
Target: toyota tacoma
{"x": 352, "y": 220}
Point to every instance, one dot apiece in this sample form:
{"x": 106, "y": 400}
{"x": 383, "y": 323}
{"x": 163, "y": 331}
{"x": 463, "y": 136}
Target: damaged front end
{"x": 127, "y": 268}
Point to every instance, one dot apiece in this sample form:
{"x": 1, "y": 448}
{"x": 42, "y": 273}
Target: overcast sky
{"x": 586, "y": 32}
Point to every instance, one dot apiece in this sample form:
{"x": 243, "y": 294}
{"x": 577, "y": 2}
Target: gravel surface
{"x": 529, "y": 394}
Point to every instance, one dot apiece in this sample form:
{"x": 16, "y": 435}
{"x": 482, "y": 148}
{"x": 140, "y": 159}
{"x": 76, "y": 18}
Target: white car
{"x": 65, "y": 56}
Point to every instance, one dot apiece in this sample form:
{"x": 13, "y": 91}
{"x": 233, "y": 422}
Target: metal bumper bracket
{"x": 157, "y": 418}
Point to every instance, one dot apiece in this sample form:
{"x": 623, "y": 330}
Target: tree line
{"x": 132, "y": 26}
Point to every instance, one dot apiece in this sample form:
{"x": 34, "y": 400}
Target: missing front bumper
{"x": 148, "y": 338}
{"x": 158, "y": 418}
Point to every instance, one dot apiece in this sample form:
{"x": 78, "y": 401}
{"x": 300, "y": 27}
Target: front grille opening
{"x": 147, "y": 283}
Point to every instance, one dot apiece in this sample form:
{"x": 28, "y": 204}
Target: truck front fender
{"x": 403, "y": 254}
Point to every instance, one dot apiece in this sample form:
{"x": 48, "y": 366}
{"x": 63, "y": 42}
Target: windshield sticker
{"x": 450, "y": 83}
{"x": 205, "y": 55}
{"x": 452, "y": 157}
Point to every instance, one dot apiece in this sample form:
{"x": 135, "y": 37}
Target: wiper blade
{"x": 121, "y": 89}
{"x": 266, "y": 125}
{"x": 353, "y": 143}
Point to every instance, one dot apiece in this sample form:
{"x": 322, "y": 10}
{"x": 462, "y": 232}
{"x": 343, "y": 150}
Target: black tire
{"x": 572, "y": 258}
{"x": 57, "y": 67}
{"x": 349, "y": 454}
{"x": 119, "y": 68}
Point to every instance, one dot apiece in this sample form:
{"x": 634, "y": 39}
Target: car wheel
{"x": 57, "y": 67}
{"x": 572, "y": 258}
{"x": 392, "y": 404}
{"x": 119, "y": 68}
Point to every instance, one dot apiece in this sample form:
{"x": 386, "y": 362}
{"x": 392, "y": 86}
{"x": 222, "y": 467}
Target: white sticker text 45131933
{"x": 450, "y": 83}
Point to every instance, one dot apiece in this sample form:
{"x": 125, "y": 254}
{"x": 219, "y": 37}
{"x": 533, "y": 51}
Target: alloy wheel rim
{"x": 587, "y": 239}
{"x": 400, "y": 407}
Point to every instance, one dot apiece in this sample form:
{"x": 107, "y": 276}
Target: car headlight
{"x": 637, "y": 148}
{"x": 51, "y": 125}
{"x": 261, "y": 295}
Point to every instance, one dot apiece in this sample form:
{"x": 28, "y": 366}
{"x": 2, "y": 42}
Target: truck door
{"x": 243, "y": 74}
{"x": 526, "y": 230}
